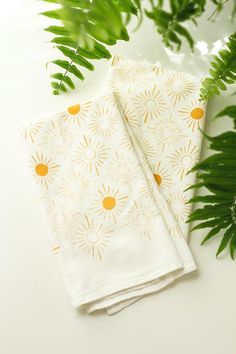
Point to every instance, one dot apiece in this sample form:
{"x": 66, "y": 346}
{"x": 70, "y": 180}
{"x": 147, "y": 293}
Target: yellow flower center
{"x": 158, "y": 179}
{"x": 74, "y": 109}
{"x": 197, "y": 113}
{"x": 109, "y": 203}
{"x": 41, "y": 169}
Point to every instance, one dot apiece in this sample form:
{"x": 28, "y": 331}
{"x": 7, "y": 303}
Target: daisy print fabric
{"x": 163, "y": 111}
{"x": 109, "y": 225}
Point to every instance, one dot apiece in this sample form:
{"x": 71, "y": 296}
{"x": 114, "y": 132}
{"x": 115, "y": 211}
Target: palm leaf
{"x": 213, "y": 232}
{"x": 225, "y": 239}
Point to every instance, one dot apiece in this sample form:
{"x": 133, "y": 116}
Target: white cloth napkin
{"x": 108, "y": 222}
{"x": 164, "y": 115}
{"x": 163, "y": 111}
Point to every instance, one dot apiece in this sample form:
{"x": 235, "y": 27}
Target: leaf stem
{"x": 217, "y": 9}
{"x": 65, "y": 73}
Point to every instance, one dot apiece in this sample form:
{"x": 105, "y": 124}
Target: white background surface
{"x": 195, "y": 316}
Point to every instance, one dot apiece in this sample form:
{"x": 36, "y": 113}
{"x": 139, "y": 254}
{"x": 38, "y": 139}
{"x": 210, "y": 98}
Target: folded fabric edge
{"x": 127, "y": 288}
{"x": 114, "y": 309}
{"x": 147, "y": 288}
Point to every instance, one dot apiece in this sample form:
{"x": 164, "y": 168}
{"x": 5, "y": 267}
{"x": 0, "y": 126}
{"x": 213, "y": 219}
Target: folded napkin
{"x": 108, "y": 221}
{"x": 163, "y": 111}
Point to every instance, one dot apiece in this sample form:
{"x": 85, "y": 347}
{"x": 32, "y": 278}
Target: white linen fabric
{"x": 163, "y": 111}
{"x": 108, "y": 222}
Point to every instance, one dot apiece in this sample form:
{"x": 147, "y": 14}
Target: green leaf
{"x": 219, "y": 178}
{"x": 98, "y": 51}
{"x": 129, "y": 6}
{"x": 57, "y": 30}
{"x": 77, "y": 59}
{"x": 82, "y": 26}
{"x": 225, "y": 240}
{"x": 217, "y": 210}
{"x": 104, "y": 53}
{"x": 84, "y": 4}
{"x": 100, "y": 34}
{"x": 214, "y": 179}
{"x": 233, "y": 245}
{"x": 169, "y": 24}
{"x": 71, "y": 68}
{"x": 208, "y": 199}
{"x": 64, "y": 78}
{"x": 215, "y": 161}
{"x": 212, "y": 233}
{"x": 223, "y": 72}
{"x": 56, "y": 14}
{"x": 228, "y": 138}
{"x": 174, "y": 6}
{"x": 234, "y": 11}
{"x": 65, "y": 41}
{"x": 229, "y": 111}
{"x": 207, "y": 162}
{"x": 214, "y": 188}
{"x": 210, "y": 223}
{"x": 58, "y": 87}
{"x": 181, "y": 30}
{"x": 173, "y": 38}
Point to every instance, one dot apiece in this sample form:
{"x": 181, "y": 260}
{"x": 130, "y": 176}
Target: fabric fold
{"x": 164, "y": 116}
{"x": 110, "y": 227}
{"x": 164, "y": 113}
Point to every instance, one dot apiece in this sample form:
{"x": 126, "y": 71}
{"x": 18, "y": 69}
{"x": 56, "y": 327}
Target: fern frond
{"x": 169, "y": 24}
{"x": 219, "y": 177}
{"x": 83, "y": 30}
{"x": 222, "y": 71}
